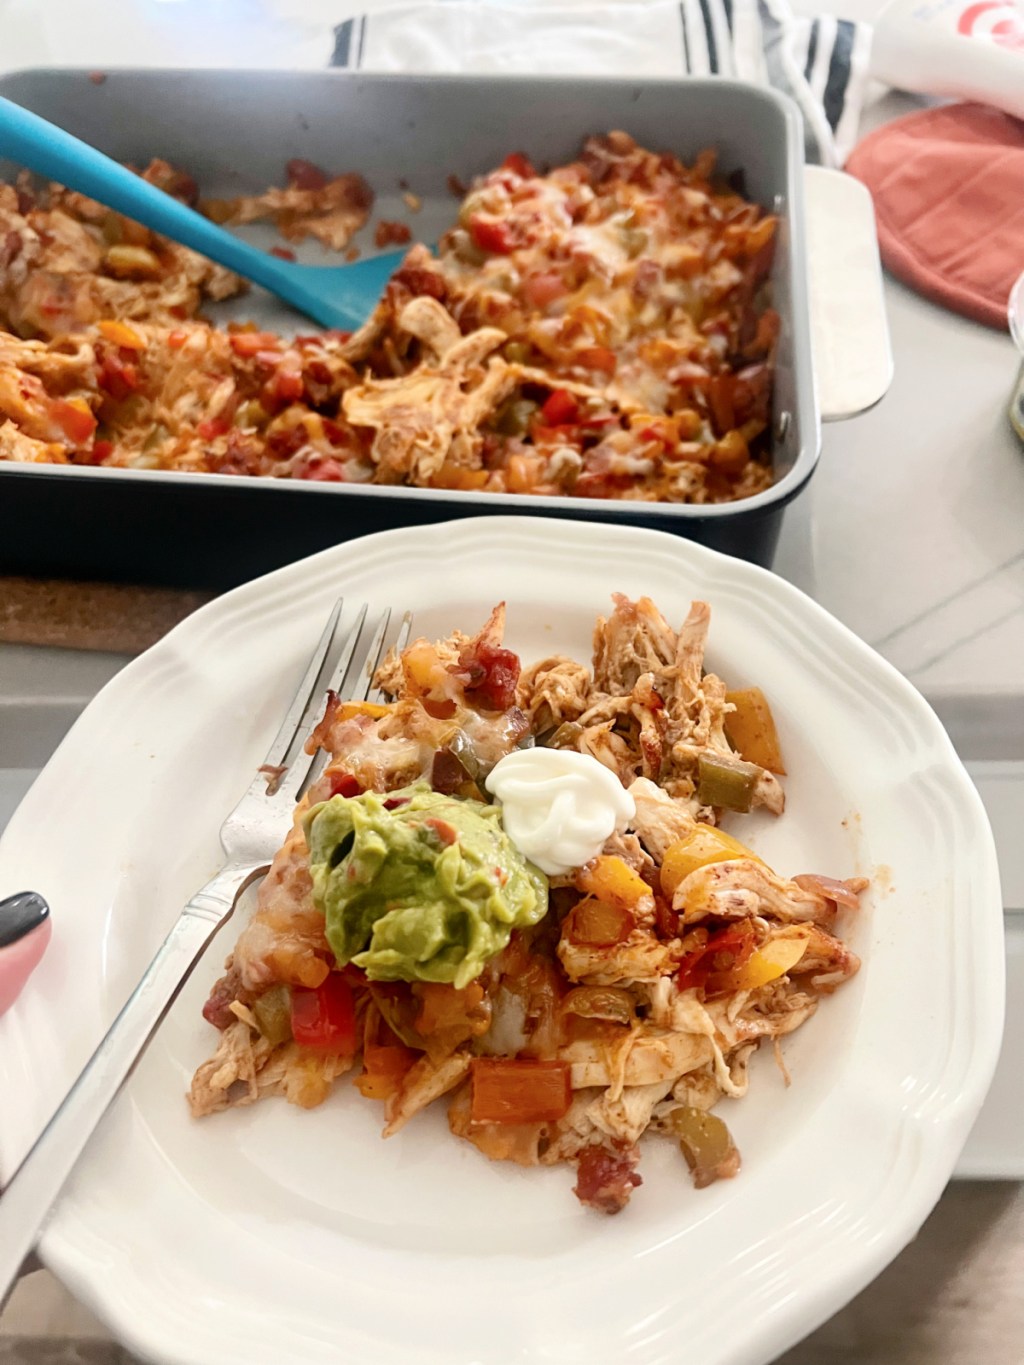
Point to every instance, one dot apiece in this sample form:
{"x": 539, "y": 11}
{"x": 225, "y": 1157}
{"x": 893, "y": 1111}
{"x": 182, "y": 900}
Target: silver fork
{"x": 250, "y": 837}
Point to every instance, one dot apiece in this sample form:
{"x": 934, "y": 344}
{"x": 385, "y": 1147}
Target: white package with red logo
{"x": 963, "y": 49}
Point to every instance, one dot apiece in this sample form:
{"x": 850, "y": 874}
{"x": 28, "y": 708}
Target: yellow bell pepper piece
{"x": 612, "y": 880}
{"x": 770, "y": 962}
{"x": 703, "y": 845}
{"x": 750, "y": 729}
{"x": 348, "y": 709}
{"x": 121, "y": 334}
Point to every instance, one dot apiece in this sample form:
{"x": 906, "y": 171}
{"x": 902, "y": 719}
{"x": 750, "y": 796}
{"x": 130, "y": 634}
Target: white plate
{"x": 271, "y": 1234}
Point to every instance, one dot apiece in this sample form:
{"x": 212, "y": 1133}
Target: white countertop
{"x": 913, "y": 534}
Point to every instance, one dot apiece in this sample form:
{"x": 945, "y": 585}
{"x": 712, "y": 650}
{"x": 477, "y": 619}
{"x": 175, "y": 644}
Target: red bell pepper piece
{"x": 491, "y": 235}
{"x": 561, "y": 409}
{"x": 324, "y": 1019}
{"x": 520, "y": 164}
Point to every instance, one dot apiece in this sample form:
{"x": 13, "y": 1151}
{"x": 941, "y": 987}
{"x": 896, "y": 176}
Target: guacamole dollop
{"x": 415, "y": 886}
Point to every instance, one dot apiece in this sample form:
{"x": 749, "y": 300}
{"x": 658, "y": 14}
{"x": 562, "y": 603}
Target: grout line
{"x": 966, "y": 639}
{"x": 946, "y": 601}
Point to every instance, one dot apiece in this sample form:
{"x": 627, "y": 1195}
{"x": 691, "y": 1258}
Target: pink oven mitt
{"x": 948, "y": 186}
{"x": 24, "y": 933}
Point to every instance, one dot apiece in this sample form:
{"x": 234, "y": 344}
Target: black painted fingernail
{"x": 20, "y": 914}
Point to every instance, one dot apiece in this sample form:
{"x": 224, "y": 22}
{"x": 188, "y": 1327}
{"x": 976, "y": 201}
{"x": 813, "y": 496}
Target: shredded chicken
{"x": 431, "y": 416}
{"x": 554, "y": 691}
{"x": 744, "y": 887}
{"x": 332, "y": 212}
{"x": 424, "y": 1083}
{"x": 596, "y": 331}
{"x": 660, "y": 819}
{"x": 643, "y": 1009}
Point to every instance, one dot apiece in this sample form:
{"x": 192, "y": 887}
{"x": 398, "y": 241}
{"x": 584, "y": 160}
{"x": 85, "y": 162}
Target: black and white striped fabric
{"x": 821, "y": 63}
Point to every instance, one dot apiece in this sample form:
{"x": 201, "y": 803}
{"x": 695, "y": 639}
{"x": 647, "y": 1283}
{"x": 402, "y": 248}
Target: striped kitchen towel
{"x": 821, "y": 62}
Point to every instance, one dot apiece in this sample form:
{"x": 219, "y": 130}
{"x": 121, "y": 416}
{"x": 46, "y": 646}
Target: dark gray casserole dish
{"x": 234, "y": 131}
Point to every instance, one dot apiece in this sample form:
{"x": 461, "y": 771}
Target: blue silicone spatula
{"x": 341, "y": 296}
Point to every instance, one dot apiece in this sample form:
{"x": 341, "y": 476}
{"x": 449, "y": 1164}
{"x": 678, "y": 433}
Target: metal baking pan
{"x": 234, "y": 131}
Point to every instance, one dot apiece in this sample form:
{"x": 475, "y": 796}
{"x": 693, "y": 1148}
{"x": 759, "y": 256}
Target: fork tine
{"x": 373, "y": 654}
{"x": 401, "y": 640}
{"x": 372, "y": 660}
{"x": 293, "y": 718}
{"x": 352, "y": 681}
{"x": 336, "y": 682}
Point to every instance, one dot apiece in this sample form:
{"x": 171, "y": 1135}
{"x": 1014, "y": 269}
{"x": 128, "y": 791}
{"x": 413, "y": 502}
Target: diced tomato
{"x": 325, "y": 1019}
{"x": 598, "y": 358}
{"x": 336, "y": 434}
{"x": 395, "y": 802}
{"x": 713, "y": 966}
{"x": 75, "y": 419}
{"x": 176, "y": 339}
{"x": 287, "y": 442}
{"x": 561, "y": 409}
{"x": 344, "y": 784}
{"x": 324, "y": 469}
{"x": 248, "y": 343}
{"x": 283, "y": 253}
{"x": 543, "y": 436}
{"x": 288, "y": 384}
{"x": 507, "y": 1091}
{"x": 605, "y": 1180}
{"x": 212, "y": 427}
{"x": 544, "y": 288}
{"x": 318, "y": 371}
{"x": 490, "y": 234}
{"x": 284, "y": 385}
{"x": 226, "y": 990}
{"x": 101, "y": 450}
{"x": 520, "y": 164}
{"x": 491, "y": 676}
{"x": 599, "y": 484}
{"x": 445, "y": 832}
{"x": 117, "y": 376}
{"x": 305, "y": 175}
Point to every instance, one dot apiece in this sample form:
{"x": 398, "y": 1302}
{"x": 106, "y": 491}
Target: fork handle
{"x": 28, "y": 1197}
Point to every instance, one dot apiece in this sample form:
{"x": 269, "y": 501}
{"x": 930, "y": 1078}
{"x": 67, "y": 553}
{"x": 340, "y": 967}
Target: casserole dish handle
{"x": 849, "y": 328}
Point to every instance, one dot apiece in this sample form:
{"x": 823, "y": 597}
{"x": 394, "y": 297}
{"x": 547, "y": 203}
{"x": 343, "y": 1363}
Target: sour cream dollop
{"x": 558, "y": 807}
